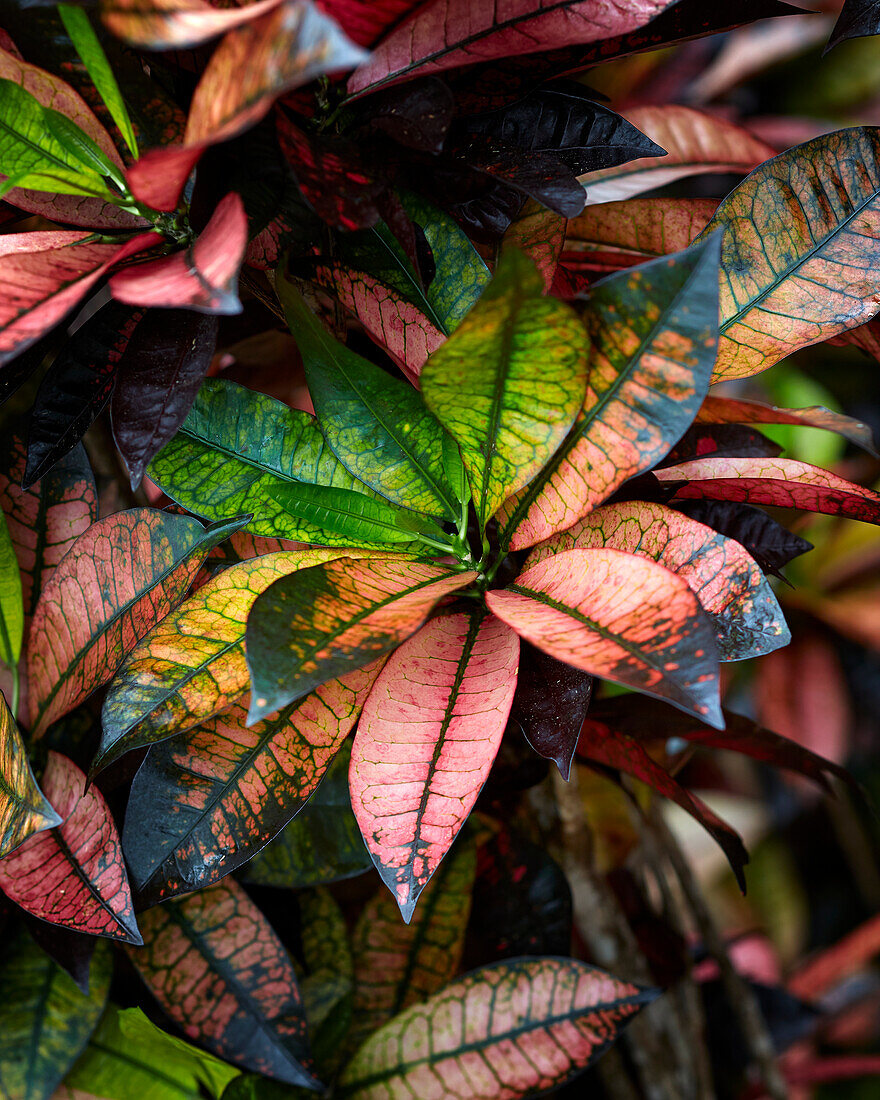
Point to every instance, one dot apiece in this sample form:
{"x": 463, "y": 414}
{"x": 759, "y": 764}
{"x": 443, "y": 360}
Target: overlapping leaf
{"x": 191, "y": 665}
{"x": 223, "y": 976}
{"x": 653, "y": 227}
{"x": 203, "y": 804}
{"x": 508, "y": 383}
{"x": 73, "y": 875}
{"x": 857, "y": 18}
{"x": 653, "y": 332}
{"x": 366, "y": 21}
{"x": 160, "y": 24}
{"x": 125, "y": 573}
{"x": 11, "y": 602}
{"x": 540, "y": 234}
{"x": 525, "y": 1026}
{"x": 45, "y": 1021}
{"x": 326, "y": 621}
{"x": 728, "y": 583}
{"x": 24, "y": 809}
{"x": 622, "y": 617}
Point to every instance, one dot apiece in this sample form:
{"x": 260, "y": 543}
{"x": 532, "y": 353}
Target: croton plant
{"x": 295, "y": 647}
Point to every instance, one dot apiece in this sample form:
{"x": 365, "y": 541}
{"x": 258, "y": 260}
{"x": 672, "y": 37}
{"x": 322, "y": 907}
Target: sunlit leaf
{"x": 360, "y": 519}
{"x": 24, "y": 809}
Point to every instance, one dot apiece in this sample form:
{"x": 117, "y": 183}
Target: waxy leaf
{"x": 731, "y": 588}
{"x": 425, "y": 743}
{"x": 220, "y": 972}
{"x": 799, "y": 267}
{"x": 360, "y": 519}
{"x": 331, "y": 619}
{"x": 397, "y": 966}
{"x": 649, "y": 372}
{"x": 695, "y": 143}
{"x": 125, "y": 573}
{"x": 163, "y": 369}
{"x": 621, "y": 617}
{"x": 202, "y": 804}
{"x": 652, "y": 227}
{"x": 857, "y": 19}
{"x": 452, "y": 33}
{"x": 172, "y": 24}
{"x": 524, "y": 1026}
{"x": 45, "y": 1021}
{"x": 376, "y": 425}
{"x": 203, "y": 277}
{"x": 73, "y": 875}
{"x": 24, "y": 809}
{"x": 780, "y": 482}
{"x": 191, "y": 665}
{"x": 509, "y": 382}
{"x": 11, "y": 602}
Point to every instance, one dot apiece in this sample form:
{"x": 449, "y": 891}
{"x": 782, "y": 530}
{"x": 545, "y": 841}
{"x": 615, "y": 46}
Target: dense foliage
{"x": 486, "y": 499}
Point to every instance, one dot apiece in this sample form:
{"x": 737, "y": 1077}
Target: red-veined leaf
{"x": 729, "y": 410}
{"x": 366, "y": 21}
{"x": 514, "y": 1029}
{"x": 425, "y": 743}
{"x": 43, "y": 275}
{"x": 73, "y": 875}
{"x": 695, "y": 143}
{"x": 220, "y": 972}
{"x": 780, "y": 482}
{"x": 191, "y": 665}
{"x": 653, "y": 335}
{"x": 203, "y": 277}
{"x": 651, "y": 227}
{"x": 447, "y": 34}
{"x": 175, "y": 24}
{"x": 125, "y": 573}
{"x": 622, "y": 617}
{"x": 747, "y": 618}
{"x": 540, "y": 234}
{"x": 326, "y": 621}
{"x": 203, "y": 803}
{"x": 604, "y": 745}
{"x": 24, "y": 809}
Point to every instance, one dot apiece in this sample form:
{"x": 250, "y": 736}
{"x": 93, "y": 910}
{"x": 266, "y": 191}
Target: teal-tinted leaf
{"x": 11, "y": 601}
{"x": 377, "y": 426}
{"x": 347, "y": 513}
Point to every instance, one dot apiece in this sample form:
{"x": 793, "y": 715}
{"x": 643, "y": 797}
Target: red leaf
{"x": 366, "y": 21}
{"x": 204, "y": 277}
{"x": 43, "y": 276}
{"x": 780, "y": 482}
{"x": 426, "y": 740}
{"x": 540, "y": 233}
{"x": 73, "y": 875}
{"x": 158, "y": 178}
{"x": 176, "y": 24}
{"x": 832, "y": 966}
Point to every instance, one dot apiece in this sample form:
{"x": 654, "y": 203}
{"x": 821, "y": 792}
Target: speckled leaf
{"x": 540, "y": 234}
{"x": 202, "y": 804}
{"x": 425, "y": 743}
{"x": 622, "y": 617}
{"x": 799, "y": 252}
{"x": 652, "y": 227}
{"x": 11, "y": 602}
{"x": 509, "y": 382}
{"x": 237, "y": 445}
{"x": 175, "y": 24}
{"x": 125, "y": 573}
{"x": 779, "y": 482}
{"x": 654, "y": 336}
{"x": 728, "y": 583}
{"x": 524, "y": 1026}
{"x": 220, "y": 972}
{"x": 398, "y": 965}
{"x": 191, "y": 665}
{"x": 331, "y": 619}
{"x": 73, "y": 875}
{"x": 24, "y": 809}
{"x": 44, "y": 1019}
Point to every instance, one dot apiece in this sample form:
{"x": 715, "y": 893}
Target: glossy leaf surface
{"x": 73, "y": 875}
{"x": 126, "y": 572}
{"x": 509, "y": 382}
{"x": 24, "y": 809}
{"x": 326, "y": 621}
{"x": 621, "y": 617}
{"x": 501, "y": 1026}
{"x": 220, "y": 972}
{"x": 425, "y": 743}
{"x": 11, "y": 602}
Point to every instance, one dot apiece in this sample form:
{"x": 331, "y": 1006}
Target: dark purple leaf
{"x": 722, "y": 441}
{"x": 416, "y": 115}
{"x": 857, "y": 19}
{"x": 769, "y": 543}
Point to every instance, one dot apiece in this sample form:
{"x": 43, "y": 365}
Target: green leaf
{"x": 45, "y": 1021}
{"x": 346, "y": 512}
{"x": 377, "y": 426}
{"x": 11, "y": 601}
{"x": 129, "y": 1056}
{"x": 328, "y": 989}
{"x": 91, "y": 52}
{"x": 59, "y": 181}
{"x": 509, "y": 382}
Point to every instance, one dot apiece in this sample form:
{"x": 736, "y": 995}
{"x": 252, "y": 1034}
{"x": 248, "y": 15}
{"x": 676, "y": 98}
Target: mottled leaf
{"x": 653, "y": 333}
{"x": 73, "y": 875}
{"x": 175, "y": 24}
{"x": 24, "y": 809}
{"x": 622, "y": 617}
{"x": 652, "y": 227}
{"x": 326, "y": 621}
{"x": 327, "y": 988}
{"x": 525, "y": 1026}
{"x": 44, "y": 1019}
{"x": 220, "y": 972}
{"x": 126, "y": 572}
{"x": 540, "y": 234}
